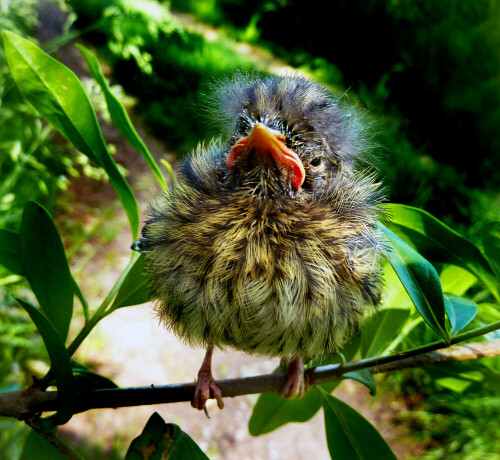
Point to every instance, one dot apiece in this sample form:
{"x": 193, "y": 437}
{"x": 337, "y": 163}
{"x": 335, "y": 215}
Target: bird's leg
{"x": 295, "y": 384}
{"x": 205, "y": 385}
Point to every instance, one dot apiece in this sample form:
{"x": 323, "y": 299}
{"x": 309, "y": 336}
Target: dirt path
{"x": 134, "y": 350}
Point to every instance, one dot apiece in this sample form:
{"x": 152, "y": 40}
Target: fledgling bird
{"x": 268, "y": 244}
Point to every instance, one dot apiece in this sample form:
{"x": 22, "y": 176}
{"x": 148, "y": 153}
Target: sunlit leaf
{"x": 134, "y": 289}
{"x": 439, "y": 243}
{"x": 119, "y": 114}
{"x": 45, "y": 265}
{"x": 380, "y": 329}
{"x": 160, "y": 440}
{"x": 58, "y": 95}
{"x": 420, "y": 280}
{"x": 349, "y": 435}
{"x": 456, "y": 280}
{"x": 60, "y": 365}
{"x": 10, "y": 251}
{"x": 461, "y": 376}
{"x": 460, "y": 312}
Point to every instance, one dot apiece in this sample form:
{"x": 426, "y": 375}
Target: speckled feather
{"x": 242, "y": 259}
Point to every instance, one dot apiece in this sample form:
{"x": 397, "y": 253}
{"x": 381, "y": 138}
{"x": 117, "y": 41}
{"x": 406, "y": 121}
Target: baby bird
{"x": 268, "y": 244}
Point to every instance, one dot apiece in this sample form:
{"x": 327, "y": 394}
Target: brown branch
{"x": 23, "y": 404}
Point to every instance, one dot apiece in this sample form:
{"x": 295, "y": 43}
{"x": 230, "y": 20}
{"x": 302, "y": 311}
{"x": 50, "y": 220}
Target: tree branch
{"x": 24, "y": 404}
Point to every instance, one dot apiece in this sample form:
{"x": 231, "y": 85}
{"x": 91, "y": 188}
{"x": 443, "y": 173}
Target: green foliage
{"x": 347, "y": 431}
{"x": 427, "y": 74}
{"x": 420, "y": 280}
{"x": 166, "y": 65}
{"x": 349, "y": 434}
{"x": 161, "y": 440}
{"x": 59, "y": 96}
{"x": 60, "y": 366}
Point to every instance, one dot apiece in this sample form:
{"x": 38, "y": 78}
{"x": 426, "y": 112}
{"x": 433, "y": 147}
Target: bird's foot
{"x": 296, "y": 383}
{"x": 206, "y": 387}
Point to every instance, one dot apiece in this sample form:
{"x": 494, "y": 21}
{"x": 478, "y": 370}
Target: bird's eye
{"x": 315, "y": 162}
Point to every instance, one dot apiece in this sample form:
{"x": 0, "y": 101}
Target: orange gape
{"x": 264, "y": 142}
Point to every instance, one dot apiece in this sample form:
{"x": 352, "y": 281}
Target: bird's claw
{"x": 295, "y": 385}
{"x": 206, "y": 388}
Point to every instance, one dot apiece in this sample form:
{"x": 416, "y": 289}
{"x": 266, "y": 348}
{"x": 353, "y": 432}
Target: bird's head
{"x": 288, "y": 136}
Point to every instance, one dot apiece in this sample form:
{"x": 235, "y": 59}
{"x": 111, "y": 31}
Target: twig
{"x": 23, "y": 404}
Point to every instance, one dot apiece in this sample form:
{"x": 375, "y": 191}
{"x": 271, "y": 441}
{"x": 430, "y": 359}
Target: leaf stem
{"x": 379, "y": 360}
{"x": 101, "y": 312}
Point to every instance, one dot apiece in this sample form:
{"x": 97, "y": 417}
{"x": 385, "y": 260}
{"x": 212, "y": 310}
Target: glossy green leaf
{"x": 349, "y": 435}
{"x": 58, "y": 95}
{"x": 160, "y": 440}
{"x": 272, "y": 411}
{"x": 365, "y": 377}
{"x": 456, "y": 280}
{"x": 60, "y": 364}
{"x": 420, "y": 280}
{"x": 439, "y": 243}
{"x": 460, "y": 312}
{"x": 380, "y": 329}
{"x": 10, "y": 251}
{"x": 37, "y": 447}
{"x": 119, "y": 115}
{"x": 134, "y": 289}
{"x": 45, "y": 265}
{"x": 393, "y": 294}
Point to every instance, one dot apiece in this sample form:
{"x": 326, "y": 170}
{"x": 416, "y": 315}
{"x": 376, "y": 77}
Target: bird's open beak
{"x": 266, "y": 143}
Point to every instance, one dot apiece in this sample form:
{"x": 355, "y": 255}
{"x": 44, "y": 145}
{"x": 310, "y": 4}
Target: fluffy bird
{"x": 268, "y": 244}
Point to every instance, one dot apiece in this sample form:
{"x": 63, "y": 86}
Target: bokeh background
{"x": 421, "y": 77}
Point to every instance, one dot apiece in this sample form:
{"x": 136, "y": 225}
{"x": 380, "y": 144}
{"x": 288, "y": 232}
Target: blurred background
{"x": 421, "y": 77}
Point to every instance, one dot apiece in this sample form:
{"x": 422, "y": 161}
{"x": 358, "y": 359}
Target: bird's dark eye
{"x": 315, "y": 162}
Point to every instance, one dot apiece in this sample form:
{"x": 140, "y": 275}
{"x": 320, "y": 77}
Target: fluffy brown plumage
{"x": 269, "y": 249}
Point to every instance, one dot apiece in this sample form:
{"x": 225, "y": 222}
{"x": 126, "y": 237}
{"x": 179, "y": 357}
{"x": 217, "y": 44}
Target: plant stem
{"x": 101, "y": 311}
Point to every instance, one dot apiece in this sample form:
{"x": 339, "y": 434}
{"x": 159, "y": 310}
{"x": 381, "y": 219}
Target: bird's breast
{"x": 272, "y": 280}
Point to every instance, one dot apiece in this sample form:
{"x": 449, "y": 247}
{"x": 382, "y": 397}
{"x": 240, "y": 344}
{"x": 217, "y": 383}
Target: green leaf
{"x": 380, "y": 329}
{"x": 349, "y": 435}
{"x": 365, "y": 377}
{"x": 119, "y": 114}
{"x": 456, "y": 280}
{"x": 58, "y": 95}
{"x": 488, "y": 240}
{"x": 420, "y": 280}
{"x": 460, "y": 376}
{"x": 488, "y": 312}
{"x": 60, "y": 365}
{"x": 160, "y": 440}
{"x": 134, "y": 289}
{"x": 10, "y": 252}
{"x": 37, "y": 447}
{"x": 439, "y": 243}
{"x": 86, "y": 380}
{"x": 460, "y": 312}
{"x": 45, "y": 265}
{"x": 272, "y": 411}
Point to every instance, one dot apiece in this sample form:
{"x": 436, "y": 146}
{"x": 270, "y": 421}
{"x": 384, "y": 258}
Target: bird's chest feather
{"x": 261, "y": 278}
